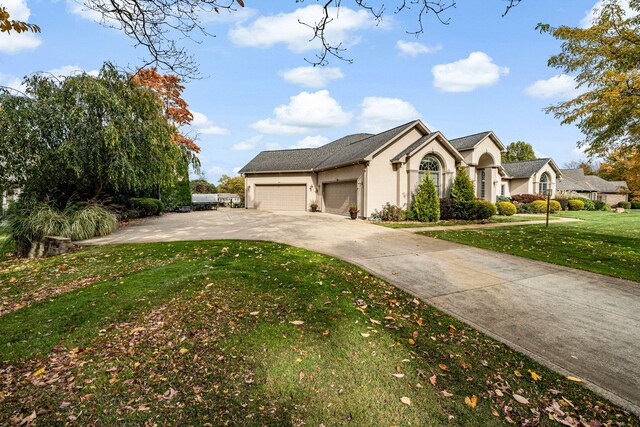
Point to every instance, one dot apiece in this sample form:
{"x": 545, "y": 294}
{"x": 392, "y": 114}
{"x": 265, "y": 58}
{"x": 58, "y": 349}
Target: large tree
{"x": 234, "y": 185}
{"x": 158, "y": 25}
{"x": 86, "y": 137}
{"x": 623, "y": 165}
{"x": 605, "y": 59}
{"x": 518, "y": 151}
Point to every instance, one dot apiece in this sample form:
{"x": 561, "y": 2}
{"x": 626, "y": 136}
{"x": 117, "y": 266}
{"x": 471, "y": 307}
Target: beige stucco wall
{"x": 520, "y": 186}
{"x": 348, "y": 173}
{"x": 613, "y": 199}
{"x": 308, "y": 179}
{"x": 382, "y": 179}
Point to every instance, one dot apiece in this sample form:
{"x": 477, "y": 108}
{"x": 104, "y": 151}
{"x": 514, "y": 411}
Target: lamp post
{"x": 547, "y": 193}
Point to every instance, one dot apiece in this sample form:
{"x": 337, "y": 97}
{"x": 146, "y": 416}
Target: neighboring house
{"x": 593, "y": 187}
{"x": 229, "y": 199}
{"x": 371, "y": 170}
{"x": 533, "y": 176}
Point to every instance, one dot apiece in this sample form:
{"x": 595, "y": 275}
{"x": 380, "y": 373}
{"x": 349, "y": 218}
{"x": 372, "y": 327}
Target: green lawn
{"x": 492, "y": 220}
{"x": 252, "y": 333}
{"x": 603, "y": 242}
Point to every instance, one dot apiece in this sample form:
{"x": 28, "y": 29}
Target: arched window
{"x": 430, "y": 166}
{"x": 544, "y": 184}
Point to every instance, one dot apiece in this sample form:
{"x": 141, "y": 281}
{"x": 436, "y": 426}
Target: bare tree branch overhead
{"x": 159, "y": 25}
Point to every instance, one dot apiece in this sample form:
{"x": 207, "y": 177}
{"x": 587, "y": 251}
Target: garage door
{"x": 281, "y": 197}
{"x": 338, "y": 196}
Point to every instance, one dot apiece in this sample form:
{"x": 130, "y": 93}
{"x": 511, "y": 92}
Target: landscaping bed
{"x": 254, "y": 333}
{"x": 603, "y": 242}
{"x": 492, "y": 220}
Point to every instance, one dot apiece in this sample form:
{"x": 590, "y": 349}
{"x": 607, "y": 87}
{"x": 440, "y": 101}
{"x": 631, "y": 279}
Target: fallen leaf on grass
{"x": 183, "y": 350}
{"x": 494, "y": 412}
{"x": 432, "y": 379}
{"x": 445, "y": 393}
{"x": 364, "y": 334}
{"x": 29, "y": 418}
{"x": 411, "y": 341}
{"x": 517, "y": 373}
{"x": 574, "y": 379}
{"x": 375, "y": 322}
{"x": 297, "y": 322}
{"x": 12, "y": 280}
{"x": 405, "y": 400}
{"x": 471, "y": 401}
{"x": 398, "y": 375}
{"x": 521, "y": 399}
{"x": 136, "y": 330}
{"x": 38, "y": 372}
{"x": 443, "y": 366}
{"x": 254, "y": 313}
{"x": 534, "y": 375}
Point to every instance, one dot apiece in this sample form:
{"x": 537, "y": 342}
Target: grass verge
{"x": 254, "y": 333}
{"x": 603, "y": 242}
{"x": 492, "y": 220}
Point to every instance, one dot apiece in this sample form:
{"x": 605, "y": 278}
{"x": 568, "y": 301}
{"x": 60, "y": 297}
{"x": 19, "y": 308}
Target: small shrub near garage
{"x": 564, "y": 202}
{"x": 576, "y": 205}
{"x": 589, "y": 204}
{"x": 635, "y": 204}
{"x": 447, "y": 209}
{"x": 527, "y": 198}
{"x": 389, "y": 212}
{"x": 147, "y": 206}
{"x": 483, "y": 209}
{"x": 506, "y": 208}
{"x": 626, "y": 205}
{"x": 601, "y": 206}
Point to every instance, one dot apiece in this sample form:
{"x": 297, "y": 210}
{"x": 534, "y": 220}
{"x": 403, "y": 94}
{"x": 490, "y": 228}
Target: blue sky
{"x": 480, "y": 72}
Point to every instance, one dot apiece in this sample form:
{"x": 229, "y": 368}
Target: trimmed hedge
{"x": 447, "y": 209}
{"x": 506, "y": 208}
{"x": 527, "y": 198}
{"x": 564, "y": 203}
{"x": 483, "y": 209}
{"x": 635, "y": 205}
{"x": 576, "y": 205}
{"x": 626, "y": 205}
{"x": 147, "y": 205}
{"x": 589, "y": 204}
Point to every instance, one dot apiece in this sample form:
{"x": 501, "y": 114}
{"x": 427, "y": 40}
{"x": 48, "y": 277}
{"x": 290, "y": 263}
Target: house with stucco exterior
{"x": 370, "y": 170}
{"x": 593, "y": 187}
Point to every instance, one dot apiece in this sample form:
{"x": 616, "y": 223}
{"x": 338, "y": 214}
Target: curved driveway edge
{"x": 578, "y": 323}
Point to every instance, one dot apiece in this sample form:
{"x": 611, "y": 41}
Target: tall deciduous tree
{"x": 605, "y": 59}
{"x": 518, "y": 151}
{"x": 7, "y": 24}
{"x": 169, "y": 90}
{"x": 157, "y": 25}
{"x": 235, "y": 185}
{"x": 623, "y": 165}
{"x": 85, "y": 136}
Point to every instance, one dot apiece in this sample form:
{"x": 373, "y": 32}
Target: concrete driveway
{"x": 578, "y": 323}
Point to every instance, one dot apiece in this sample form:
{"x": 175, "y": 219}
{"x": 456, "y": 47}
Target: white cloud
{"x": 77, "y": 8}
{"x": 414, "y": 48}
{"x": 16, "y": 42}
{"x": 466, "y": 75}
{"x": 248, "y": 144}
{"x": 379, "y": 114}
{"x": 304, "y": 112}
{"x": 311, "y": 142}
{"x": 236, "y": 170}
{"x": 592, "y": 14}
{"x": 312, "y": 76}
{"x": 70, "y": 70}
{"x": 204, "y": 126}
{"x": 234, "y": 16}
{"x": 287, "y": 28}
{"x": 12, "y": 82}
{"x": 559, "y": 86}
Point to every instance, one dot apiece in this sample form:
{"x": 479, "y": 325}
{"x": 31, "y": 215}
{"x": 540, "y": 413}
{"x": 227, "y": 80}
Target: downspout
{"x": 366, "y": 190}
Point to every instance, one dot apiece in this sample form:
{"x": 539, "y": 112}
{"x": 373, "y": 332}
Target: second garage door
{"x": 338, "y": 196}
{"x": 281, "y": 197}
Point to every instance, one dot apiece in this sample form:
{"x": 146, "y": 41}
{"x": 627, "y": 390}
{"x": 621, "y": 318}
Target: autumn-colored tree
{"x": 176, "y": 109}
{"x": 235, "y": 185}
{"x": 604, "y": 60}
{"x": 7, "y": 24}
{"x": 623, "y": 165}
{"x": 518, "y": 151}
{"x": 589, "y": 168}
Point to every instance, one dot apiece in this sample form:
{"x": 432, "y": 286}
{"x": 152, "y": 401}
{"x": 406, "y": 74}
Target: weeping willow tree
{"x": 87, "y": 137}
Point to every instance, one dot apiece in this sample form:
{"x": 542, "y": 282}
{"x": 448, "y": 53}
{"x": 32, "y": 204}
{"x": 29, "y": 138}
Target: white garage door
{"x": 281, "y": 197}
{"x": 338, "y": 196}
